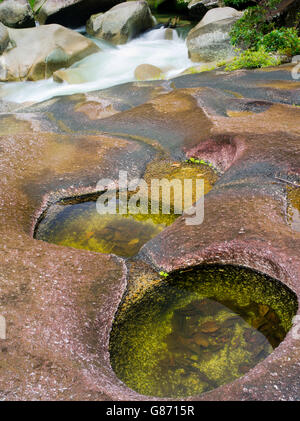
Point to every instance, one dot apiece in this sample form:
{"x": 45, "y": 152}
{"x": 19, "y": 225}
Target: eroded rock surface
{"x": 59, "y": 302}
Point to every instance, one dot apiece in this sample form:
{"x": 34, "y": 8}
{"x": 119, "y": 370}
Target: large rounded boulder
{"x": 38, "y": 52}
{"x": 209, "y": 40}
{"x": 121, "y": 23}
{"x": 16, "y": 14}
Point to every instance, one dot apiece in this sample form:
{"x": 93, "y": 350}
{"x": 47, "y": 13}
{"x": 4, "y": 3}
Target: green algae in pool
{"x": 78, "y": 224}
{"x": 198, "y": 330}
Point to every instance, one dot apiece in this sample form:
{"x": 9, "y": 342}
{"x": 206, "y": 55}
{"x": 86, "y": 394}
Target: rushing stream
{"x": 114, "y": 65}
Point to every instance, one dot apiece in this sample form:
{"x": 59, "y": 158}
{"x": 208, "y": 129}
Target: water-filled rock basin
{"x": 79, "y": 225}
{"x": 76, "y": 222}
{"x": 198, "y": 329}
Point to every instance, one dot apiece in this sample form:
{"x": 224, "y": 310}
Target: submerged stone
{"x": 148, "y": 72}
{"x": 198, "y": 329}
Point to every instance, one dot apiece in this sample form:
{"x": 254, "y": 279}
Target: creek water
{"x": 114, "y": 65}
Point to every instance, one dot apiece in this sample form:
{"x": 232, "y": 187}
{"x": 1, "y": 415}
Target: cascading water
{"x": 112, "y": 66}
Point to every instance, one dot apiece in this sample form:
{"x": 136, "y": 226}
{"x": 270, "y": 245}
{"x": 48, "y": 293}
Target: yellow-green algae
{"x": 76, "y": 222}
{"x": 198, "y": 329}
{"x": 163, "y": 169}
{"x": 79, "y": 225}
{"x": 293, "y": 195}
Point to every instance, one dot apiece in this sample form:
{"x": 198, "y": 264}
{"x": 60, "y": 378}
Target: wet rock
{"x": 243, "y": 368}
{"x": 272, "y": 317}
{"x": 54, "y": 162}
{"x": 209, "y": 40}
{"x": 209, "y": 327}
{"x": 198, "y": 8}
{"x": 263, "y": 309}
{"x": 200, "y": 339}
{"x": 71, "y": 13}
{"x": 40, "y": 51}
{"x": 4, "y": 38}
{"x": 94, "y": 23}
{"x": 179, "y": 322}
{"x": 230, "y": 322}
{"x": 121, "y": 23}
{"x": 147, "y": 72}
{"x": 169, "y": 34}
{"x": 16, "y": 14}
{"x": 252, "y": 150}
{"x": 258, "y": 323}
{"x": 71, "y": 76}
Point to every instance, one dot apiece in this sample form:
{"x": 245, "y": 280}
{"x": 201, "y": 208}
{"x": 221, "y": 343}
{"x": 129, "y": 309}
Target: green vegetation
{"x": 248, "y": 31}
{"x": 199, "y": 161}
{"x": 256, "y": 33}
{"x": 32, "y": 3}
{"x": 282, "y": 40}
{"x": 253, "y": 31}
{"x": 250, "y": 59}
{"x": 164, "y": 274}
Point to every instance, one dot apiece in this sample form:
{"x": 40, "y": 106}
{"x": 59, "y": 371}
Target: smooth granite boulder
{"x": 121, "y": 23}
{"x": 16, "y": 14}
{"x": 40, "y": 51}
{"x": 210, "y": 40}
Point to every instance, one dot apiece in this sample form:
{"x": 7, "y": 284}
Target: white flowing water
{"x": 112, "y": 66}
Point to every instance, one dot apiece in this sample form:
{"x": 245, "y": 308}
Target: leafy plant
{"x": 198, "y": 161}
{"x": 283, "y": 40}
{"x": 221, "y": 63}
{"x": 251, "y": 59}
{"x": 164, "y": 274}
{"x": 256, "y": 31}
{"x": 32, "y": 4}
{"x": 248, "y": 31}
